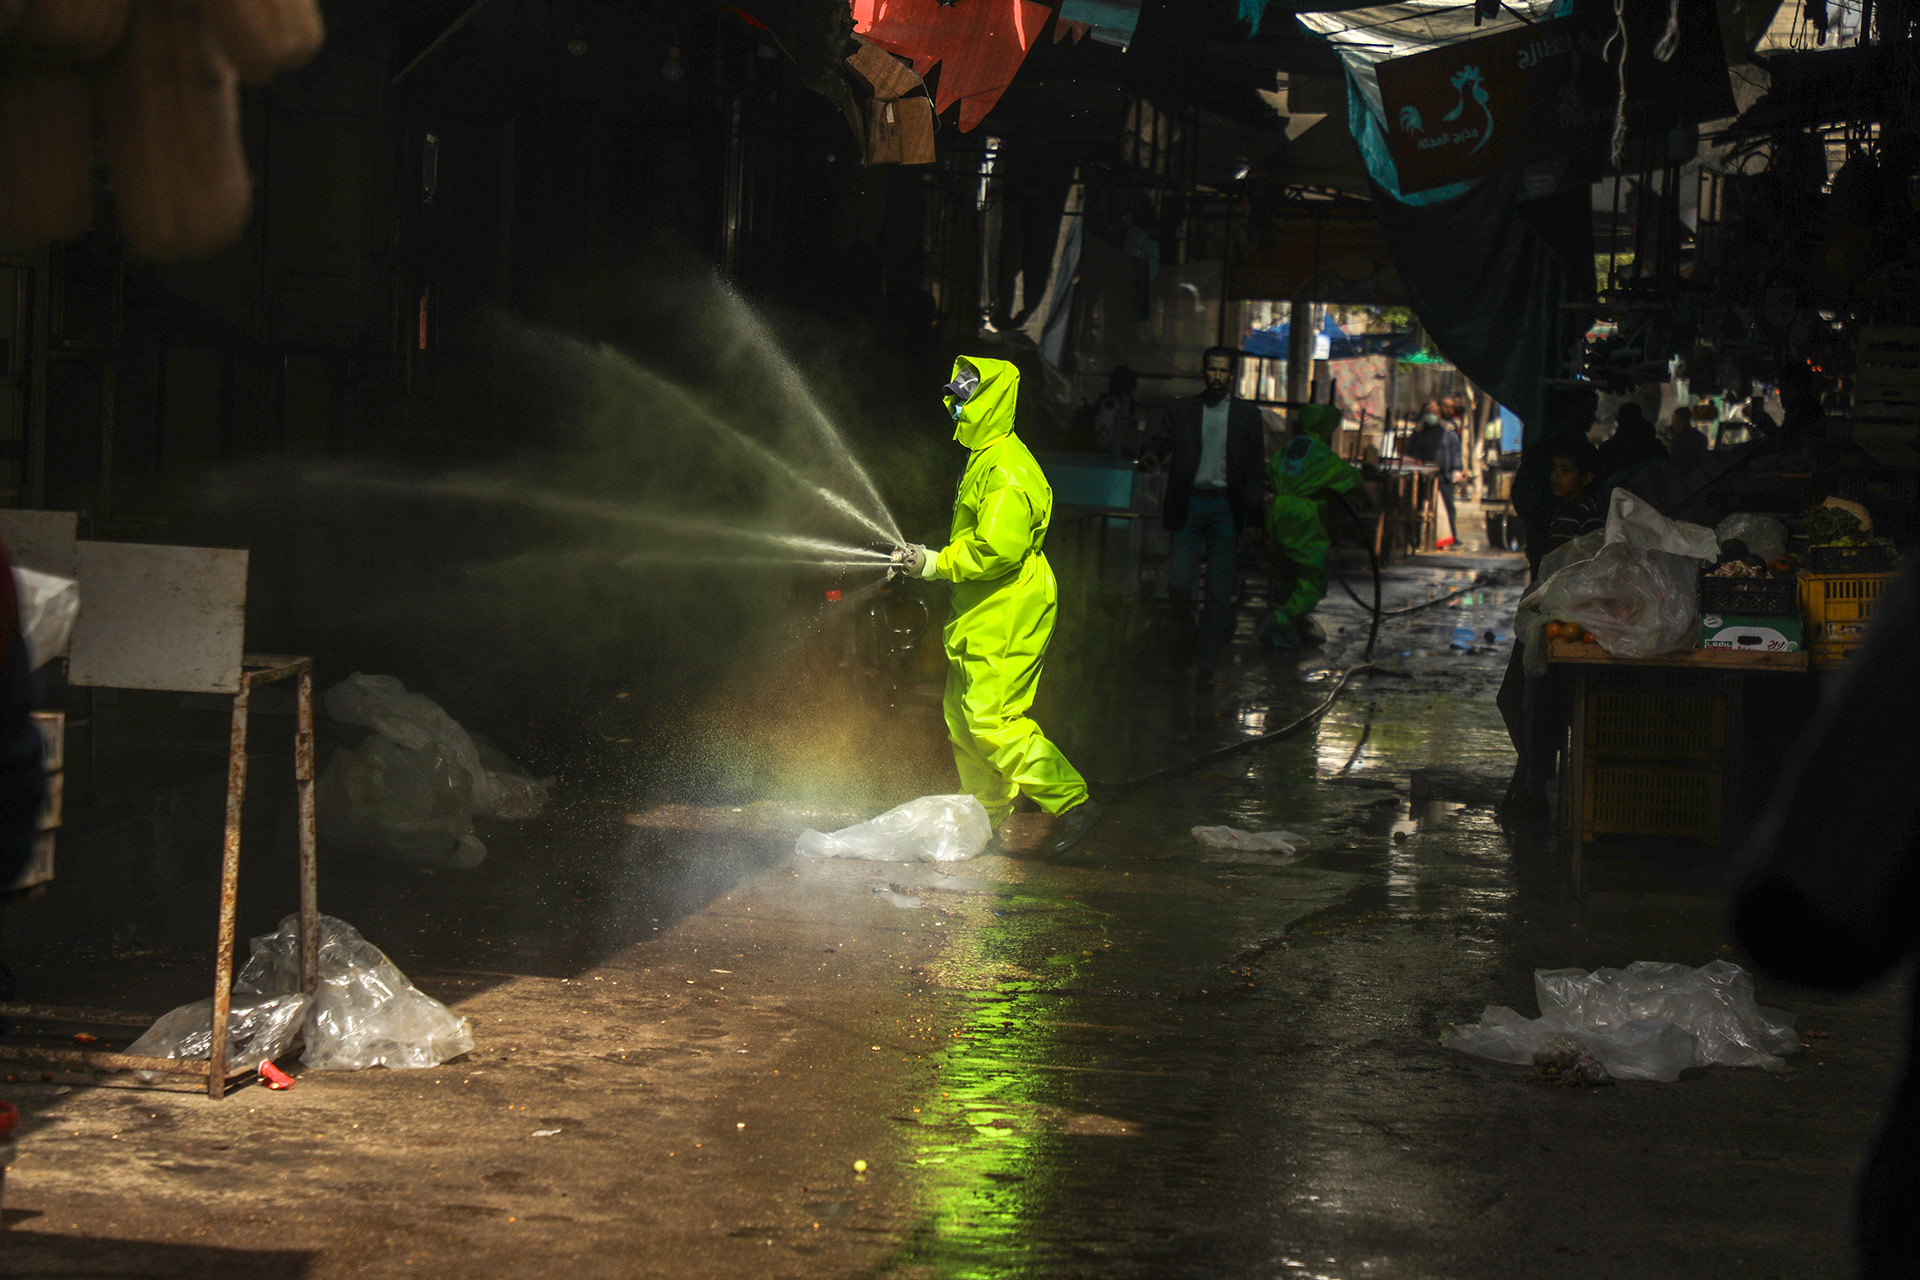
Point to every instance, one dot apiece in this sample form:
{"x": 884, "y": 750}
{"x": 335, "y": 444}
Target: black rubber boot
{"x": 1074, "y": 825}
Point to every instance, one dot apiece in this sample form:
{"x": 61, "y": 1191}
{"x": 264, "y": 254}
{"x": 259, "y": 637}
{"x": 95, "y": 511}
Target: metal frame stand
{"x": 254, "y": 671}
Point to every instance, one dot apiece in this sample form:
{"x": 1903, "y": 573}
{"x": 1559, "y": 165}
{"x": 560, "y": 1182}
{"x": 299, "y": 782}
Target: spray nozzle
{"x": 910, "y": 561}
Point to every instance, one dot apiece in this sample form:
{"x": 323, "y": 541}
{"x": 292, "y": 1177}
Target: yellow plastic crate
{"x": 1651, "y": 725}
{"x": 1654, "y": 799}
{"x": 1836, "y": 609}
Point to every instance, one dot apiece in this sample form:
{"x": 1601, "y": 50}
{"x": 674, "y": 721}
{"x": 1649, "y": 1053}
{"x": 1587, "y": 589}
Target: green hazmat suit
{"x": 1004, "y": 599}
{"x": 1304, "y": 475}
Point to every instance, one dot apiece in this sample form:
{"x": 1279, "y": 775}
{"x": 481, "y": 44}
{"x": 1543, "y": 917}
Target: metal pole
{"x": 229, "y": 891}
{"x": 309, "y": 875}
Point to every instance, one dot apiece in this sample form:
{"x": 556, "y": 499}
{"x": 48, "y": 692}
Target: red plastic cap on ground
{"x": 833, "y": 595}
{"x": 9, "y": 1117}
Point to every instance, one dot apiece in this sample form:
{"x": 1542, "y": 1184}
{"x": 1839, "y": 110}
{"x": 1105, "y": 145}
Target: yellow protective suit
{"x": 1004, "y": 599}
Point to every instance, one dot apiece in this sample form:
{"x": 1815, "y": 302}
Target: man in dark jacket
{"x": 1213, "y": 446}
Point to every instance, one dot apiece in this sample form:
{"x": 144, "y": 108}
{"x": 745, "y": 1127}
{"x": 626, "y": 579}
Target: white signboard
{"x": 157, "y": 617}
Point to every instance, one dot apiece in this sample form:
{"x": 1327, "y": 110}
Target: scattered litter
{"x": 82, "y": 1037}
{"x": 273, "y": 1077}
{"x": 260, "y": 1026}
{"x": 545, "y": 1133}
{"x": 905, "y": 901}
{"x": 930, "y": 829}
{"x": 1649, "y": 1021}
{"x": 1232, "y": 838}
{"x": 411, "y": 789}
{"x": 366, "y": 1013}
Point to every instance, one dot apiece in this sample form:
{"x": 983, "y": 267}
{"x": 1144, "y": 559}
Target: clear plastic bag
{"x": 260, "y": 1028}
{"x": 1649, "y": 1021}
{"x": 383, "y": 799}
{"x": 1637, "y": 589}
{"x": 366, "y": 1013}
{"x": 1765, "y": 537}
{"x": 1232, "y": 838}
{"x": 930, "y": 829}
{"x": 48, "y": 607}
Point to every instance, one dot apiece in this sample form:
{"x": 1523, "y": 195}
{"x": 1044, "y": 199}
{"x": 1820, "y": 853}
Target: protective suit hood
{"x": 1320, "y": 421}
{"x": 988, "y": 413}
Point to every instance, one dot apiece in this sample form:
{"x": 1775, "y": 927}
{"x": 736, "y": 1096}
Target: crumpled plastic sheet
{"x": 418, "y": 723}
{"x": 1232, "y": 839}
{"x": 48, "y": 607}
{"x": 1649, "y": 1021}
{"x": 366, "y": 1013}
{"x": 411, "y": 806}
{"x": 259, "y": 1029}
{"x": 411, "y": 789}
{"x": 930, "y": 829}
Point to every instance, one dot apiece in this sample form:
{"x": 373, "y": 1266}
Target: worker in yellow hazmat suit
{"x": 1004, "y": 599}
{"x": 1304, "y": 474}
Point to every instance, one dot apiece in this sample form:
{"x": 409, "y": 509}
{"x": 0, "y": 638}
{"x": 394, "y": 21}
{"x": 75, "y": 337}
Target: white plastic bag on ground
{"x": 930, "y": 829}
{"x": 259, "y": 1029}
{"x": 1249, "y": 841}
{"x": 418, "y": 723}
{"x": 48, "y": 606}
{"x": 413, "y": 806}
{"x": 1649, "y": 1021}
{"x": 366, "y": 1013}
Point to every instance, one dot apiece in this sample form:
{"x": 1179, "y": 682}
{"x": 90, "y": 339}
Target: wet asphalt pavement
{"x": 698, "y": 1056}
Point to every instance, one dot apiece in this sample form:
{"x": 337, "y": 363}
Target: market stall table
{"x": 1652, "y": 741}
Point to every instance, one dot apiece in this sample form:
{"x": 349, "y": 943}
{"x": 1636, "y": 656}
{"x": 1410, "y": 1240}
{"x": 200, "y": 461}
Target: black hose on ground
{"x": 1285, "y": 731}
{"x": 1235, "y": 748}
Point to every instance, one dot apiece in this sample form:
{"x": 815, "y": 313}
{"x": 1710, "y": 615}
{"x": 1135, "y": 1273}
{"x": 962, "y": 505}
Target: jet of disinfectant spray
{"x": 653, "y": 382}
{"x": 801, "y": 549}
{"x": 811, "y": 413}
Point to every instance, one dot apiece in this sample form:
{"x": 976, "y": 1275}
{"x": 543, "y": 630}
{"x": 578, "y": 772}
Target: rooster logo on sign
{"x": 1470, "y": 76}
{"x": 1410, "y": 121}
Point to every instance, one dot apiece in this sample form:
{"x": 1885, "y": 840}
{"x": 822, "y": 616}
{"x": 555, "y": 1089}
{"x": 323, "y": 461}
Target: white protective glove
{"x": 916, "y": 560}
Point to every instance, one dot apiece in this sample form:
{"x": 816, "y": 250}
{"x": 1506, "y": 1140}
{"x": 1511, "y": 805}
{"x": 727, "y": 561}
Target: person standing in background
{"x": 1212, "y": 445}
{"x": 1438, "y": 445}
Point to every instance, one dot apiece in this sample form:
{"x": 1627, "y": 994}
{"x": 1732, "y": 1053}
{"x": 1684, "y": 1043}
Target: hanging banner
{"x": 1548, "y": 91}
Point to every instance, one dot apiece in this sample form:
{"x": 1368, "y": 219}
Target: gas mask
{"x": 966, "y": 381}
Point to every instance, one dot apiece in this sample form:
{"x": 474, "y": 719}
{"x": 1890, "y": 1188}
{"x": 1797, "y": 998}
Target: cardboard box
{"x": 1740, "y": 631}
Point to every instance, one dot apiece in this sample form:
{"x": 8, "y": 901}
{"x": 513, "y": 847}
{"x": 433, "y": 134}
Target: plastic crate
{"x": 1639, "y": 726}
{"x": 1770, "y": 597}
{"x": 1837, "y": 609}
{"x": 1838, "y": 559}
{"x": 1660, "y": 799}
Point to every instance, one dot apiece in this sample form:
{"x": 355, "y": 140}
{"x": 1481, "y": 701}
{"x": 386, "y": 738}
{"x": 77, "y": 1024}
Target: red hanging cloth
{"x": 978, "y": 45}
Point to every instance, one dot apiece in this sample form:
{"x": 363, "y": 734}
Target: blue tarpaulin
{"x": 1273, "y": 341}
